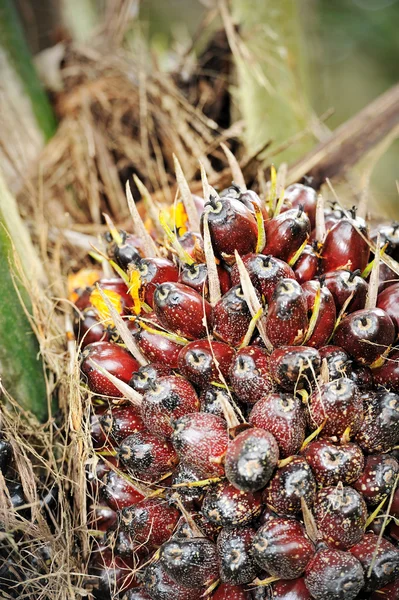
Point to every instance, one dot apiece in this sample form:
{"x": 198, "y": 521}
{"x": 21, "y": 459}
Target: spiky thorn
{"x": 149, "y": 246}
{"x": 150, "y": 204}
{"x": 235, "y": 168}
{"x": 187, "y": 197}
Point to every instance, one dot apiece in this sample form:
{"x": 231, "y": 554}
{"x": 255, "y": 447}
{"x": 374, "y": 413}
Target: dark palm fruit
{"x": 249, "y": 198}
{"x": 332, "y": 463}
{"x": 334, "y": 575}
{"x": 380, "y": 429}
{"x": 340, "y": 514}
{"x": 160, "y": 586}
{"x": 112, "y": 573}
{"x": 282, "y": 548}
{"x": 250, "y": 374}
{"x": 147, "y": 456}
{"x": 231, "y": 317}
{"x": 290, "y": 590}
{"x": 171, "y": 397}
{"x": 196, "y": 276}
{"x": 366, "y": 334}
{"x": 212, "y": 399}
{"x": 147, "y": 375}
{"x": 95, "y": 476}
{"x": 388, "y": 300}
{"x": 378, "y": 478}
{"x": 326, "y": 317}
{"x": 127, "y": 252}
{"x": 115, "y": 359}
{"x": 150, "y": 522}
{"x": 157, "y": 348}
{"x": 287, "y": 319}
{"x": 98, "y": 435}
{"x": 343, "y": 284}
{"x": 227, "y": 506}
{"x": 118, "y": 492}
{"x": 286, "y": 233}
{"x": 295, "y": 367}
{"x": 362, "y": 376}
{"x": 190, "y": 562}
{"x": 339, "y": 404}
{"x": 181, "y": 309}
{"x": 251, "y": 459}
{"x": 226, "y": 591}
{"x": 236, "y": 565}
{"x": 121, "y": 543}
{"x": 232, "y": 227}
{"x": 338, "y": 361}
{"x": 200, "y": 361}
{"x": 387, "y": 375}
{"x": 88, "y": 328}
{"x": 120, "y": 422}
{"x": 101, "y": 518}
{"x": 291, "y": 483}
{"x": 307, "y": 265}
{"x": 283, "y": 415}
{"x": 5, "y": 455}
{"x": 344, "y": 247}
{"x": 135, "y": 594}
{"x": 265, "y": 273}
{"x": 154, "y": 271}
{"x": 388, "y": 592}
{"x": 190, "y": 496}
{"x": 297, "y": 195}
{"x": 379, "y": 559}
{"x": 200, "y": 440}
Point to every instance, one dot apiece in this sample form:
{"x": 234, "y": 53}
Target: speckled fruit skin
{"x": 212, "y": 399}
{"x": 384, "y": 557}
{"x": 160, "y": 586}
{"x": 147, "y": 456}
{"x": 120, "y": 422}
{"x": 154, "y": 271}
{"x": 236, "y": 565}
{"x": 135, "y": 594}
{"x": 286, "y": 233}
{"x": 147, "y": 375}
{"x": 171, "y": 397}
{"x": 378, "y": 478}
{"x": 380, "y": 429}
{"x": 282, "y": 415}
{"x": 181, "y": 309}
{"x": 191, "y": 562}
{"x": 117, "y": 492}
{"x": 197, "y": 361}
{"x": 157, "y": 348}
{"x": 114, "y": 359}
{"x": 282, "y": 548}
{"x": 340, "y": 514}
{"x": 366, "y": 334}
{"x": 327, "y": 313}
{"x": 231, "y": 592}
{"x": 338, "y": 361}
{"x": 332, "y": 463}
{"x": 196, "y": 276}
{"x": 387, "y": 375}
{"x": 294, "y": 367}
{"x": 334, "y": 575}
{"x": 250, "y": 374}
{"x": 151, "y": 521}
{"x": 200, "y": 440}
{"x": 343, "y": 284}
{"x": 344, "y": 247}
{"x": 265, "y": 272}
{"x": 251, "y": 459}
{"x": 289, "y": 484}
{"x": 226, "y": 506}
{"x": 287, "y": 318}
{"x": 307, "y": 265}
{"x": 290, "y": 590}
{"x": 231, "y": 317}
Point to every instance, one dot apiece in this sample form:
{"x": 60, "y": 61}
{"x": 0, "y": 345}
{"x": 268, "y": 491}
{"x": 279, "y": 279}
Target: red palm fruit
{"x": 236, "y": 564}
{"x": 147, "y": 375}
{"x": 101, "y": 518}
{"x": 170, "y": 398}
{"x": 196, "y": 276}
{"x": 344, "y": 247}
{"x": 226, "y": 591}
{"x": 340, "y": 404}
{"x": 295, "y": 367}
{"x": 340, "y": 514}
{"x": 334, "y": 575}
{"x": 343, "y": 284}
{"x": 227, "y": 506}
{"x": 289, "y": 484}
{"x": 231, "y": 317}
{"x": 380, "y": 429}
{"x": 284, "y": 416}
{"x": 282, "y": 548}
{"x": 286, "y": 233}
{"x": 388, "y": 592}
{"x": 379, "y": 559}
{"x": 378, "y": 478}
{"x": 388, "y": 300}
{"x": 115, "y": 359}
{"x": 157, "y": 348}
{"x": 193, "y": 244}
{"x": 290, "y": 590}
{"x": 232, "y": 227}
{"x": 150, "y": 522}
{"x": 181, "y": 309}
{"x": 191, "y": 562}
{"x": 120, "y": 422}
{"x": 112, "y": 573}
{"x": 88, "y": 329}
{"x": 118, "y": 492}
{"x": 307, "y": 265}
{"x": 201, "y": 439}
{"x": 98, "y": 435}
{"x": 387, "y": 375}
{"x": 160, "y": 586}
{"x": 83, "y": 300}
{"x": 154, "y": 271}
{"x": 251, "y": 459}
{"x": 250, "y": 374}
{"x": 338, "y": 361}
{"x": 200, "y": 361}
{"x": 327, "y": 313}
{"x": 265, "y": 273}
{"x": 298, "y": 195}
{"x": 287, "y": 319}
{"x": 146, "y": 456}
{"x": 332, "y": 463}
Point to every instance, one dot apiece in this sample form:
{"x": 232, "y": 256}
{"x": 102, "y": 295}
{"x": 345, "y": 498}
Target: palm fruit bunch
{"x": 245, "y": 403}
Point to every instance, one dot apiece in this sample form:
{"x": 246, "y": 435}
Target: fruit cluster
{"x": 245, "y": 414}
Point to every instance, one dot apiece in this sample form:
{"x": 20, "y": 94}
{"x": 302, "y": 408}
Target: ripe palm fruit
{"x": 286, "y": 233}
{"x": 291, "y": 483}
{"x": 235, "y": 560}
{"x": 379, "y": 559}
{"x": 334, "y": 575}
{"x": 345, "y": 246}
{"x": 379, "y": 431}
{"x": 342, "y": 285}
{"x": 190, "y": 562}
{"x": 202, "y": 361}
{"x": 250, "y": 374}
{"x": 295, "y": 367}
{"x": 265, "y": 273}
{"x": 332, "y": 463}
{"x": 227, "y": 506}
{"x": 231, "y": 317}
{"x": 147, "y": 456}
{"x": 287, "y": 319}
{"x": 111, "y": 357}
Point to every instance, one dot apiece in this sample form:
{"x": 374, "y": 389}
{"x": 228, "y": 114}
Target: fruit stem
{"x": 213, "y": 277}
{"x": 320, "y": 220}
{"x": 149, "y": 246}
{"x": 371, "y": 299}
{"x": 235, "y": 169}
